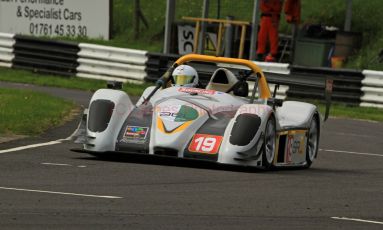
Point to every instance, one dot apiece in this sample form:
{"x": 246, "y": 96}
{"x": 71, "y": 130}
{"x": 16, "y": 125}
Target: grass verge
{"x": 24, "y": 112}
{"x": 353, "y": 112}
{"x": 21, "y": 76}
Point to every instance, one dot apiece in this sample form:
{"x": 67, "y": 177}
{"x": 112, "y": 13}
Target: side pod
{"x": 244, "y": 135}
{"x": 108, "y": 109}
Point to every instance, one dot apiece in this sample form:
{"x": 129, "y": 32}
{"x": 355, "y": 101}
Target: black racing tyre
{"x": 269, "y": 144}
{"x": 312, "y": 141}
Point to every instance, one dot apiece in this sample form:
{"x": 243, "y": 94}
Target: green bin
{"x": 313, "y": 52}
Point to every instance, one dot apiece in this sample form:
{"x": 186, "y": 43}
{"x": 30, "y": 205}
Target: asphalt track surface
{"x": 50, "y": 187}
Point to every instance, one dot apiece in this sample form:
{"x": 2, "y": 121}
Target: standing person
{"x": 270, "y": 15}
{"x": 293, "y": 16}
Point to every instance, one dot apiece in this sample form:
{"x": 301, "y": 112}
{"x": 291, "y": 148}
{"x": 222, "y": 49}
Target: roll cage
{"x": 261, "y": 82}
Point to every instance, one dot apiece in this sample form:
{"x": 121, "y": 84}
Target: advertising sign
{"x": 71, "y": 18}
{"x": 186, "y": 40}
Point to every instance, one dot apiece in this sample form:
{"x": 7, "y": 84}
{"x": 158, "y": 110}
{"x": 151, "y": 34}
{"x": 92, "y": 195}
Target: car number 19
{"x": 204, "y": 143}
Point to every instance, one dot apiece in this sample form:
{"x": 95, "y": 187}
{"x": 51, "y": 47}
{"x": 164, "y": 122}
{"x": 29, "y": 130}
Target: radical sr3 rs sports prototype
{"x": 218, "y": 123}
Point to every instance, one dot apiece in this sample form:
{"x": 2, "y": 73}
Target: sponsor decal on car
{"x": 198, "y": 91}
{"x": 204, "y": 143}
{"x": 295, "y": 145}
{"x": 181, "y": 113}
{"x": 136, "y": 132}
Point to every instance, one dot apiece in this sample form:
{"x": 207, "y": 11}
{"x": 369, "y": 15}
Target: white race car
{"x": 218, "y": 123}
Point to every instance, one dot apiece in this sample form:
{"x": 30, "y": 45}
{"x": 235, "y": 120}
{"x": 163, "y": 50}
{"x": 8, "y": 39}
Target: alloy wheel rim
{"x": 313, "y": 140}
{"x": 270, "y": 142}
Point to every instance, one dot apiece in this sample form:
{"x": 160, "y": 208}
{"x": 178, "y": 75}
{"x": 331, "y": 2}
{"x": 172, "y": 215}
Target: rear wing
{"x": 326, "y": 85}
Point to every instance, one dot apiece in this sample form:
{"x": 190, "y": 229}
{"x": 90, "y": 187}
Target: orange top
{"x": 262, "y": 84}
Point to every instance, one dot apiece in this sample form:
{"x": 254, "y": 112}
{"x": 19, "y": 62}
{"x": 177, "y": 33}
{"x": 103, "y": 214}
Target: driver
{"x": 185, "y": 76}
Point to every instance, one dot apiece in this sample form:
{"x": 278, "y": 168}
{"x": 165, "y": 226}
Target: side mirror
{"x": 278, "y": 102}
{"x": 274, "y": 102}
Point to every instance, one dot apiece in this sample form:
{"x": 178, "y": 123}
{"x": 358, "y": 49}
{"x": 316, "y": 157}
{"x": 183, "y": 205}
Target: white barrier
{"x": 6, "y": 49}
{"x": 110, "y": 63}
{"x": 277, "y": 68}
{"x": 372, "y": 88}
{"x": 272, "y": 67}
{"x": 129, "y": 65}
{"x": 267, "y": 67}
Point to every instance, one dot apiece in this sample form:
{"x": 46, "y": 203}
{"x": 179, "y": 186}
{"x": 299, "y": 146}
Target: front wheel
{"x": 268, "y": 150}
{"x": 312, "y": 141}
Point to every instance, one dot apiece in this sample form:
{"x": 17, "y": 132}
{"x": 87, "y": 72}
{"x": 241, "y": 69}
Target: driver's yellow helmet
{"x": 185, "y": 75}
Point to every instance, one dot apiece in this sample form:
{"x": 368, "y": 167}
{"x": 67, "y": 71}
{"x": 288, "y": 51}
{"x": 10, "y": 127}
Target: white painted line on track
{"x": 56, "y": 164}
{"x": 355, "y": 153}
{"x": 61, "y": 193}
{"x": 59, "y": 141}
{"x": 32, "y": 146}
{"x": 351, "y": 134}
{"x": 357, "y": 220}
{"x": 65, "y": 165}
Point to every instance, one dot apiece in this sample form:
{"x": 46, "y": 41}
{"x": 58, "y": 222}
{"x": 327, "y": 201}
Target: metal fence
{"x": 363, "y": 88}
{"x": 45, "y": 56}
{"x": 347, "y": 83}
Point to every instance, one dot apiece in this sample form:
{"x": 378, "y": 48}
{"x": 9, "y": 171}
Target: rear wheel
{"x": 312, "y": 141}
{"x": 268, "y": 149}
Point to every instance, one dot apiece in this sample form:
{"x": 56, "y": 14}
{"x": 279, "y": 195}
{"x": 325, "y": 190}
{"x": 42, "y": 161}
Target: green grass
{"x": 366, "y": 19}
{"x": 24, "y": 112}
{"x": 20, "y": 76}
{"x": 353, "y": 112}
